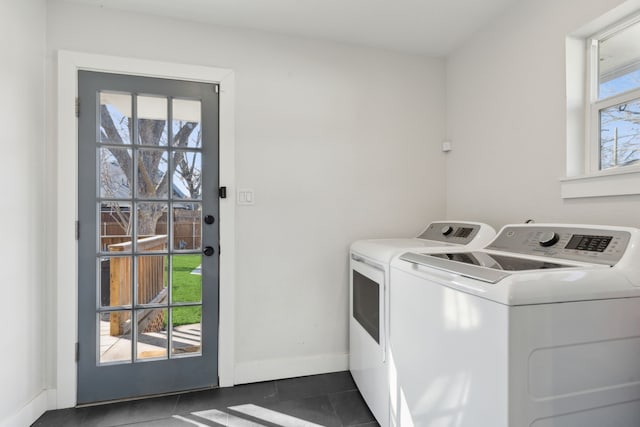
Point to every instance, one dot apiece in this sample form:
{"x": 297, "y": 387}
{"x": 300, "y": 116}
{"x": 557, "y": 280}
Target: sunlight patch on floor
{"x": 272, "y": 416}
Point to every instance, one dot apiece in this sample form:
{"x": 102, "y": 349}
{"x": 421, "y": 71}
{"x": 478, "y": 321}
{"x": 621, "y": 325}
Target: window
{"x": 614, "y": 98}
{"x": 603, "y": 106}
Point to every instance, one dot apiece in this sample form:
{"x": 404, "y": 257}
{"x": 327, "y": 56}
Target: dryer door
{"x": 367, "y": 308}
{"x": 366, "y": 303}
{"x": 368, "y": 334}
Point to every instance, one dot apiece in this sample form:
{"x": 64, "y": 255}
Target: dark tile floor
{"x": 317, "y": 400}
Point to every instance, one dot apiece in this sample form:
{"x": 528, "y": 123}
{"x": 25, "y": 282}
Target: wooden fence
{"x": 187, "y": 232}
{"x": 151, "y": 281}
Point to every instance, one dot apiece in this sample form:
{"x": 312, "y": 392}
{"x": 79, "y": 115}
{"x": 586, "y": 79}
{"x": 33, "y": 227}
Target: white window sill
{"x": 612, "y": 182}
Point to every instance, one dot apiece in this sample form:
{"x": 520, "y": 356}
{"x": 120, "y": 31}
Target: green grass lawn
{"x": 186, "y": 287}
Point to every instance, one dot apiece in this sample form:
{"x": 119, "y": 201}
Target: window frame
{"x": 595, "y": 105}
{"x": 584, "y": 178}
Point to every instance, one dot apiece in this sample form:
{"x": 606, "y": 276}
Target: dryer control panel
{"x": 593, "y": 245}
{"x": 452, "y": 232}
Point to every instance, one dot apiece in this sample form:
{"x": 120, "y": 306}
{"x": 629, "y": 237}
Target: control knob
{"x": 548, "y": 239}
{"x": 446, "y": 230}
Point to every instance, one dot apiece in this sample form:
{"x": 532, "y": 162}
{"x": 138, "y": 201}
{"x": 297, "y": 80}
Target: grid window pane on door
{"x": 618, "y": 95}
{"x": 144, "y": 184}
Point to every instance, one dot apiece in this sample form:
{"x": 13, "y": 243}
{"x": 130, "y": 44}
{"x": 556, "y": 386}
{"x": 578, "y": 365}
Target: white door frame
{"x": 66, "y": 281}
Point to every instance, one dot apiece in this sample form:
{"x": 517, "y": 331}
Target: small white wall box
{"x": 446, "y": 146}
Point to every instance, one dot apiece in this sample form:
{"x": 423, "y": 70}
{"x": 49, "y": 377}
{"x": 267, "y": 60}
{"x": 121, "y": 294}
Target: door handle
{"x": 208, "y": 251}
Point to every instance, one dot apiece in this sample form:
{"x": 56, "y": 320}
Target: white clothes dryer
{"x": 369, "y": 301}
{"x": 539, "y": 329}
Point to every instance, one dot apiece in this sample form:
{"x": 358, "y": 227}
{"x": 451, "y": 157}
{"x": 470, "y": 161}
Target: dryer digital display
{"x": 463, "y": 232}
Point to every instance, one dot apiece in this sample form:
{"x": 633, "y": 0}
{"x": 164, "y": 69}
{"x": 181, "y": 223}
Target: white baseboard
{"x": 52, "y": 400}
{"x": 274, "y": 369}
{"x": 30, "y": 412}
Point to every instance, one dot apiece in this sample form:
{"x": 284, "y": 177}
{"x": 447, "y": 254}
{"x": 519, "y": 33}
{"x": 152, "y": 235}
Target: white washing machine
{"x": 369, "y": 302}
{"x": 540, "y": 329}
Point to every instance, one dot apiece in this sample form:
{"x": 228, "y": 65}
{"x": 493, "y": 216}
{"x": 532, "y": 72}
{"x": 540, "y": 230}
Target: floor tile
{"x": 311, "y": 412}
{"x": 116, "y": 414}
{"x": 314, "y": 385}
{"x": 351, "y": 408}
{"x": 258, "y": 393}
{"x": 71, "y": 417}
{"x": 164, "y": 422}
{"x": 222, "y": 417}
{"x": 301, "y": 387}
{"x": 339, "y": 381}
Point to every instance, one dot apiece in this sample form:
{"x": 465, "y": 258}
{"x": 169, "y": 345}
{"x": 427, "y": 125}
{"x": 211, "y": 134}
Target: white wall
{"x": 506, "y": 116}
{"x": 339, "y": 143}
{"x": 22, "y": 120}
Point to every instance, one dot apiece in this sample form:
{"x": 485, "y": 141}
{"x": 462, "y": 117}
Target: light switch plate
{"x": 246, "y": 196}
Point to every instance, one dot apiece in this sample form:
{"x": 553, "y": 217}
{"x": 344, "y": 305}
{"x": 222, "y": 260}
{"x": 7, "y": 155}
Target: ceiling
{"x": 428, "y": 27}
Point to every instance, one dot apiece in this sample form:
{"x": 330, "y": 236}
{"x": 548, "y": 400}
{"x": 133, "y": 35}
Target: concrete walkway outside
{"x": 186, "y": 339}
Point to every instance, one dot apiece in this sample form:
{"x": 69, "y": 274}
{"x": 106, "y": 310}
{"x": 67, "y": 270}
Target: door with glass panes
{"x": 148, "y": 265}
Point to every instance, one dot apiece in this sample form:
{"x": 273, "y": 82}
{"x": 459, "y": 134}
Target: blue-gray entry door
{"x": 148, "y": 252}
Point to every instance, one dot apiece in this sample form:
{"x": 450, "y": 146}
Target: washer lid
{"x": 490, "y": 268}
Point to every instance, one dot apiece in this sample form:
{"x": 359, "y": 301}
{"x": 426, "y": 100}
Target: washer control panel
{"x": 600, "y": 246}
{"x": 452, "y": 232}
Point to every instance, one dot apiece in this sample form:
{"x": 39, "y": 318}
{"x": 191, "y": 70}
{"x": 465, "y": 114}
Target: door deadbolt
{"x": 208, "y": 251}
{"x": 209, "y": 219}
